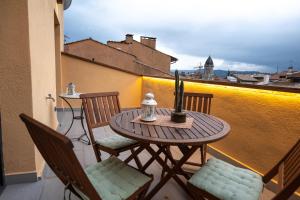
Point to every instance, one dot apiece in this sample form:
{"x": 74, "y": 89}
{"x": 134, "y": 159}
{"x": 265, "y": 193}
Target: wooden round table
{"x": 205, "y": 129}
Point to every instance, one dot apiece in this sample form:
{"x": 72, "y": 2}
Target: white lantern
{"x": 148, "y": 108}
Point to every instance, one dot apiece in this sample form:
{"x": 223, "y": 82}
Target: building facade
{"x": 130, "y": 55}
{"x": 145, "y": 51}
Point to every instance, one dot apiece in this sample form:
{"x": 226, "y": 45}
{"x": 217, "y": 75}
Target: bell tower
{"x": 208, "y": 69}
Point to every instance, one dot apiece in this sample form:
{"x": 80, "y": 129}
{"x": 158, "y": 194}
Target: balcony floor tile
{"x": 50, "y": 187}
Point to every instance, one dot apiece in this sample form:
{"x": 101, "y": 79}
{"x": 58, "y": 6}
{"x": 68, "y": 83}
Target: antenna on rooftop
{"x": 66, "y": 38}
{"x": 199, "y": 67}
{"x": 291, "y": 63}
{"x": 228, "y": 73}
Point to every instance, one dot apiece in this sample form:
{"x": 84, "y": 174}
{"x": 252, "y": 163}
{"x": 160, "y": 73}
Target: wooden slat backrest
{"x": 99, "y": 108}
{"x": 57, "y": 151}
{"x": 199, "y": 102}
{"x": 291, "y": 165}
{"x": 288, "y": 170}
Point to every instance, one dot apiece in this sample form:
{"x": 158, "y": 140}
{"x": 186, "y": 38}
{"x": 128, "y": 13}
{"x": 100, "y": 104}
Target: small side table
{"x": 67, "y": 97}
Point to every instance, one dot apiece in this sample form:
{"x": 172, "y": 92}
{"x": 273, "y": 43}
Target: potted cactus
{"x": 178, "y": 115}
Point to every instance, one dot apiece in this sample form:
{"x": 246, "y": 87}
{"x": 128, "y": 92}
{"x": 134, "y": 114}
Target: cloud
{"x": 188, "y": 62}
{"x": 254, "y": 33}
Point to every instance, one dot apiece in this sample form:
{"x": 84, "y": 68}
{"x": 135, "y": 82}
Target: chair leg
{"x": 196, "y": 197}
{"x": 163, "y": 169}
{"x": 142, "y": 195}
{"x": 203, "y": 149}
{"x": 195, "y": 194}
{"x": 98, "y": 155}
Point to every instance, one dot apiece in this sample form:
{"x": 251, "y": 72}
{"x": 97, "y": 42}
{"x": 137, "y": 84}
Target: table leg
{"x": 81, "y": 117}
{"x": 154, "y": 156}
{"x": 135, "y": 153}
{"x": 174, "y": 162}
{"x": 73, "y": 115}
{"x": 136, "y": 159}
{"x": 85, "y": 132}
{"x": 171, "y": 172}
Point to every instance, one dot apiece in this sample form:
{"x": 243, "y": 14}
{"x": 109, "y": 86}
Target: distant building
{"x": 263, "y": 79}
{"x": 290, "y": 70}
{"x": 282, "y": 76}
{"x": 145, "y": 51}
{"x": 287, "y": 78}
{"x": 274, "y": 77}
{"x": 245, "y": 79}
{"x": 294, "y": 77}
{"x": 231, "y": 79}
{"x": 129, "y": 55}
{"x": 208, "y": 69}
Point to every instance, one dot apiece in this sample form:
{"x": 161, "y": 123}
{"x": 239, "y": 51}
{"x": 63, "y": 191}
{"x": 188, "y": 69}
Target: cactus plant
{"x": 178, "y": 115}
{"x": 180, "y": 102}
{"x": 176, "y": 89}
{"x": 179, "y": 90}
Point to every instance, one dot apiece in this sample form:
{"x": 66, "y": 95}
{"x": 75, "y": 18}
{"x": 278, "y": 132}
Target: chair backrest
{"x": 199, "y": 102}
{"x": 57, "y": 151}
{"x": 288, "y": 170}
{"x": 100, "y": 107}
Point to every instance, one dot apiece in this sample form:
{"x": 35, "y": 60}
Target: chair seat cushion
{"x": 115, "y": 141}
{"x": 114, "y": 180}
{"x": 228, "y": 182}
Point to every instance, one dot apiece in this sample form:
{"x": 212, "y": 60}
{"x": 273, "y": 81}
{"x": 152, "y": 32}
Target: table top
{"x": 67, "y": 96}
{"x": 205, "y": 129}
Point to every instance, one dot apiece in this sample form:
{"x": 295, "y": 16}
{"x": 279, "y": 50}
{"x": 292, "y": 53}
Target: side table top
{"x": 205, "y": 129}
{"x": 67, "y": 96}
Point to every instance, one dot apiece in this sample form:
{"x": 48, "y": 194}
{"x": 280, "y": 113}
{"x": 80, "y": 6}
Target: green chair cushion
{"x": 115, "y": 141}
{"x": 228, "y": 182}
{"x": 114, "y": 180}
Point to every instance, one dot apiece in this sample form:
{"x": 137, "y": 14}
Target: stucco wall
{"x": 15, "y": 81}
{"x": 150, "y": 56}
{"x": 27, "y": 76}
{"x": 43, "y": 15}
{"x": 90, "y": 77}
{"x": 265, "y": 124}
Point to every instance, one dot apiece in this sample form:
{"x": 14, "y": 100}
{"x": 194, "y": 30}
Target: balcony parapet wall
{"x": 264, "y": 120}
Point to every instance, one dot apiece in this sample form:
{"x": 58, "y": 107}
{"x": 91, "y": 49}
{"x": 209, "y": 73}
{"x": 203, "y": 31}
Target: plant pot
{"x": 178, "y": 117}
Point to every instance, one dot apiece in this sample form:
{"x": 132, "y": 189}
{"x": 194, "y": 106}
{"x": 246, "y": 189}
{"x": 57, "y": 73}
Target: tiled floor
{"x": 50, "y": 187}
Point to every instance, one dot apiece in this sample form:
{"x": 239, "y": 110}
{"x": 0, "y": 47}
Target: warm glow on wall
{"x": 190, "y": 85}
{"x": 263, "y": 122}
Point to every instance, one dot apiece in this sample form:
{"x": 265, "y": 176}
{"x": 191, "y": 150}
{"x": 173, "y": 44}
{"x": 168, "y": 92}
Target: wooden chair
{"x": 99, "y": 108}
{"x": 92, "y": 183}
{"x": 219, "y": 180}
{"x": 199, "y": 102}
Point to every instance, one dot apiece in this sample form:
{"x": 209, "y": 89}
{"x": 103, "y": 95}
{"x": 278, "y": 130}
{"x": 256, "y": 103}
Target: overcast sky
{"x": 238, "y": 34}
